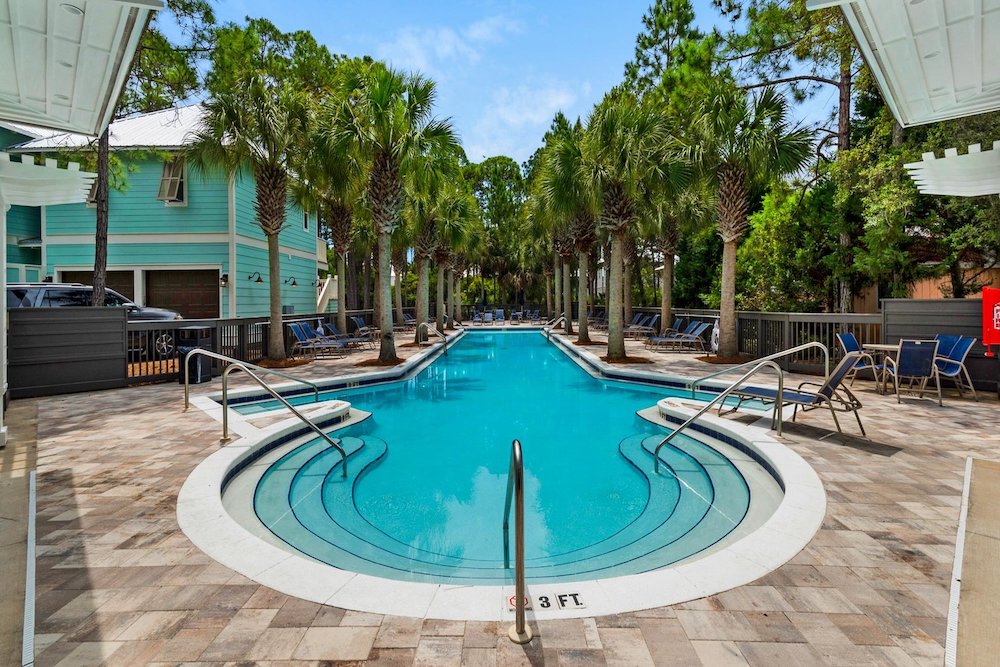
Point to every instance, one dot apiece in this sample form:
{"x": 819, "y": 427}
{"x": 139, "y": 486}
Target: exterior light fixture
{"x": 291, "y": 281}
{"x": 224, "y": 280}
{"x": 259, "y": 280}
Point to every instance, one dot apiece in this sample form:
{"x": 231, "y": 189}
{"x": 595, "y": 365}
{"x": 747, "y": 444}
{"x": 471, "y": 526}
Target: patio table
{"x": 885, "y": 349}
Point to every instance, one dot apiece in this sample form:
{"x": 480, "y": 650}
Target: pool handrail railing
{"x": 231, "y": 360}
{"x": 775, "y": 417}
{"x": 777, "y": 355}
{"x": 430, "y": 328}
{"x": 235, "y": 364}
{"x": 519, "y": 633}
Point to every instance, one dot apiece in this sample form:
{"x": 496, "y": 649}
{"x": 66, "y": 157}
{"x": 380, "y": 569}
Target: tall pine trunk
{"x": 582, "y": 287}
{"x": 567, "y": 272}
{"x": 616, "y": 330}
{"x": 101, "y": 234}
{"x": 845, "y": 293}
{"x": 366, "y": 282}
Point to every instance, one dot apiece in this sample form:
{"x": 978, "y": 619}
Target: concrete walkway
{"x": 120, "y": 584}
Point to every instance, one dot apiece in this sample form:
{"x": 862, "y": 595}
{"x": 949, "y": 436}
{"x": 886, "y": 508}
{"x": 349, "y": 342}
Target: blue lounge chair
{"x": 477, "y": 317}
{"x": 952, "y": 364}
{"x": 307, "y": 341}
{"x": 830, "y": 394}
{"x": 654, "y": 342}
{"x": 850, "y": 344}
{"x": 488, "y": 317}
{"x": 350, "y": 340}
{"x": 362, "y": 328}
{"x": 649, "y": 328}
{"x": 692, "y": 342}
{"x": 946, "y": 343}
{"x": 500, "y": 317}
{"x": 914, "y": 362}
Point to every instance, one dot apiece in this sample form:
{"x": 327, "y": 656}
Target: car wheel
{"x": 163, "y": 344}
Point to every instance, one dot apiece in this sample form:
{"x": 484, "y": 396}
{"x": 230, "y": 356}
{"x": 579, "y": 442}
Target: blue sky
{"x": 503, "y": 68}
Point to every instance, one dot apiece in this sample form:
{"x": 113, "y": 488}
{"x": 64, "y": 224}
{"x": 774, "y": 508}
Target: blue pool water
{"x": 428, "y": 473}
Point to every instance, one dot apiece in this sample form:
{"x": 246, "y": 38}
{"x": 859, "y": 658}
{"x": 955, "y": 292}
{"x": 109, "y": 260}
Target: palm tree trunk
{"x": 276, "y": 329}
{"x": 666, "y": 288}
{"x": 439, "y": 303}
{"x": 399, "y": 296}
{"x": 458, "y": 298}
{"x": 387, "y": 349}
{"x": 548, "y": 296}
{"x": 567, "y": 272}
{"x": 627, "y": 290}
{"x": 727, "y": 313}
{"x": 582, "y": 286}
{"x": 423, "y": 278}
{"x": 342, "y": 292}
{"x": 366, "y": 281}
{"x": 616, "y": 331}
{"x": 450, "y": 312}
{"x": 558, "y": 290}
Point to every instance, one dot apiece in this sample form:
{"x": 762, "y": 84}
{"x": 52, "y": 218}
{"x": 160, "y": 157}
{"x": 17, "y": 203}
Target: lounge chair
{"x": 914, "y": 362}
{"x": 307, "y": 341}
{"x": 674, "y": 329}
{"x": 477, "y": 318}
{"x": 500, "y": 318}
{"x": 849, "y": 343}
{"x": 692, "y": 342}
{"x": 654, "y": 342}
{"x": 362, "y": 328}
{"x": 366, "y": 339}
{"x": 650, "y": 328}
{"x": 488, "y": 317}
{"x": 830, "y": 394}
{"x": 952, "y": 364}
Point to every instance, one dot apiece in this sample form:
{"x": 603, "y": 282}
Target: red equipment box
{"x": 991, "y": 319}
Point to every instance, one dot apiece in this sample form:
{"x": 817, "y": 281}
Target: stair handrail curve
{"x": 555, "y": 323}
{"x": 775, "y": 417}
{"x": 519, "y": 633}
{"x": 235, "y": 365}
{"x": 777, "y": 355}
{"x": 430, "y": 328}
{"x": 231, "y": 360}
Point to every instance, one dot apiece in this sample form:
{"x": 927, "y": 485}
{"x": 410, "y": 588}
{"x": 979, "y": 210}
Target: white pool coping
{"x": 205, "y": 521}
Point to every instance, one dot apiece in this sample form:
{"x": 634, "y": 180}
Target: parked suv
{"x": 58, "y": 295}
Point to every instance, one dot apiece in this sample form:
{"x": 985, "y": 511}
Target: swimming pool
{"x": 425, "y": 497}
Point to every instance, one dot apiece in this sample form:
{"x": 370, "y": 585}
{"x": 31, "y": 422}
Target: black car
{"x": 59, "y": 295}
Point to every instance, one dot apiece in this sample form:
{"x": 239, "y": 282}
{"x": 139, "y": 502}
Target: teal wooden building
{"x": 177, "y": 238}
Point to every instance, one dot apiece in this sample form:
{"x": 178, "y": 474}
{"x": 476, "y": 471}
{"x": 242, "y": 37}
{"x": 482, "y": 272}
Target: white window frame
{"x": 92, "y": 195}
{"x": 174, "y": 179}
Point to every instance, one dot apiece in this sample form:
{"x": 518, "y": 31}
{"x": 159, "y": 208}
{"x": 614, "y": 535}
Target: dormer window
{"x": 172, "y": 190}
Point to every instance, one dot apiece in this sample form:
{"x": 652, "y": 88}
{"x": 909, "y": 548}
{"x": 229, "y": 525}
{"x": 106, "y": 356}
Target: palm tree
{"x": 742, "y": 142}
{"x": 258, "y": 126}
{"x": 385, "y": 117}
{"x": 400, "y": 246}
{"x": 624, "y": 153}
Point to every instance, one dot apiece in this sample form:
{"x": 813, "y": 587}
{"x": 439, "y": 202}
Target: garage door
{"x": 194, "y": 294}
{"x": 122, "y": 282}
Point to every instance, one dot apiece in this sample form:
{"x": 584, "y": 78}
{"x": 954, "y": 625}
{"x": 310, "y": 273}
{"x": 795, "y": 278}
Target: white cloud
{"x": 428, "y": 50}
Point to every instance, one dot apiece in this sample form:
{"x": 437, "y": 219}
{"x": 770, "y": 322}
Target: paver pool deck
{"x": 118, "y": 583}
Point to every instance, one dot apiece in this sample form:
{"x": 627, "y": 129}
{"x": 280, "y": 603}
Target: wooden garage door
{"x": 194, "y": 294}
{"x": 122, "y": 282}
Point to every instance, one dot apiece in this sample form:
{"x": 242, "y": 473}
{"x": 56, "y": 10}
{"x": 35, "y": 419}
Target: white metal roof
{"x": 973, "y": 174}
{"x": 28, "y": 182}
{"x": 64, "y": 62}
{"x": 27, "y": 130}
{"x": 167, "y": 129}
{"x": 933, "y": 59}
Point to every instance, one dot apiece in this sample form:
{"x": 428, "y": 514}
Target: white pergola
{"x": 62, "y": 66}
{"x": 934, "y": 60}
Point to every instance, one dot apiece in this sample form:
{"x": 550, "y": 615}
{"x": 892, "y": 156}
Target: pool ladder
{"x": 428, "y": 328}
{"x": 237, "y": 365}
{"x": 519, "y": 633}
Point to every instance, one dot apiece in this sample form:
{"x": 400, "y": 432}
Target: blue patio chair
{"x": 350, "y": 340}
{"x": 307, "y": 340}
{"x": 477, "y": 318}
{"x": 649, "y": 328}
{"x": 946, "y": 343}
{"x": 500, "y": 317}
{"x": 849, "y": 343}
{"x": 914, "y": 362}
{"x": 687, "y": 342}
{"x": 830, "y": 394}
{"x": 488, "y": 317}
{"x": 952, "y": 364}
{"x": 674, "y": 329}
{"x": 654, "y": 342}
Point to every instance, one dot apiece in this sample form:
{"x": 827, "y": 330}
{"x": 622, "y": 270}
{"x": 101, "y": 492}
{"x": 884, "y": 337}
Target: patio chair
{"x": 850, "y": 343}
{"x": 952, "y": 364}
{"x": 477, "y": 318}
{"x": 366, "y": 339}
{"x": 649, "y": 328}
{"x": 946, "y": 343}
{"x": 306, "y": 341}
{"x": 830, "y": 394}
{"x": 488, "y": 317}
{"x": 914, "y": 362}
{"x": 674, "y": 329}
{"x": 362, "y": 328}
{"x": 500, "y": 318}
{"x": 688, "y": 342}
{"x": 654, "y": 342}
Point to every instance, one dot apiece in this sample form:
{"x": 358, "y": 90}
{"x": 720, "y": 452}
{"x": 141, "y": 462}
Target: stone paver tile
{"x": 45, "y": 640}
{"x": 399, "y": 632}
{"x": 754, "y": 598}
{"x": 625, "y": 647}
{"x": 90, "y": 654}
{"x": 825, "y": 600}
{"x": 134, "y": 653}
{"x": 154, "y": 625}
{"x": 580, "y": 658}
{"x": 773, "y": 627}
{"x": 719, "y": 654}
{"x": 861, "y": 630}
{"x": 267, "y": 598}
{"x": 592, "y": 634}
{"x": 276, "y": 644}
{"x": 439, "y": 652}
{"x": 100, "y": 626}
{"x": 731, "y": 625}
{"x": 483, "y": 634}
{"x": 297, "y": 613}
{"x": 342, "y": 643}
{"x": 818, "y": 628}
{"x": 852, "y": 656}
{"x": 563, "y": 634}
{"x": 618, "y": 621}
{"x": 391, "y": 657}
{"x": 239, "y": 636}
{"x": 935, "y": 627}
{"x": 667, "y": 642}
{"x": 923, "y": 650}
{"x": 769, "y": 654}
{"x": 328, "y": 616}
{"x": 187, "y": 644}
{"x": 361, "y": 618}
{"x": 434, "y": 627}
{"x": 479, "y": 657}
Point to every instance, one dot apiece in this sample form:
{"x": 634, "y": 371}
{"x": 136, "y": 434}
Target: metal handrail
{"x": 235, "y": 364}
{"x": 519, "y": 633}
{"x": 231, "y": 360}
{"x": 428, "y": 328}
{"x": 776, "y": 355}
{"x": 775, "y": 418}
{"x": 548, "y": 328}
